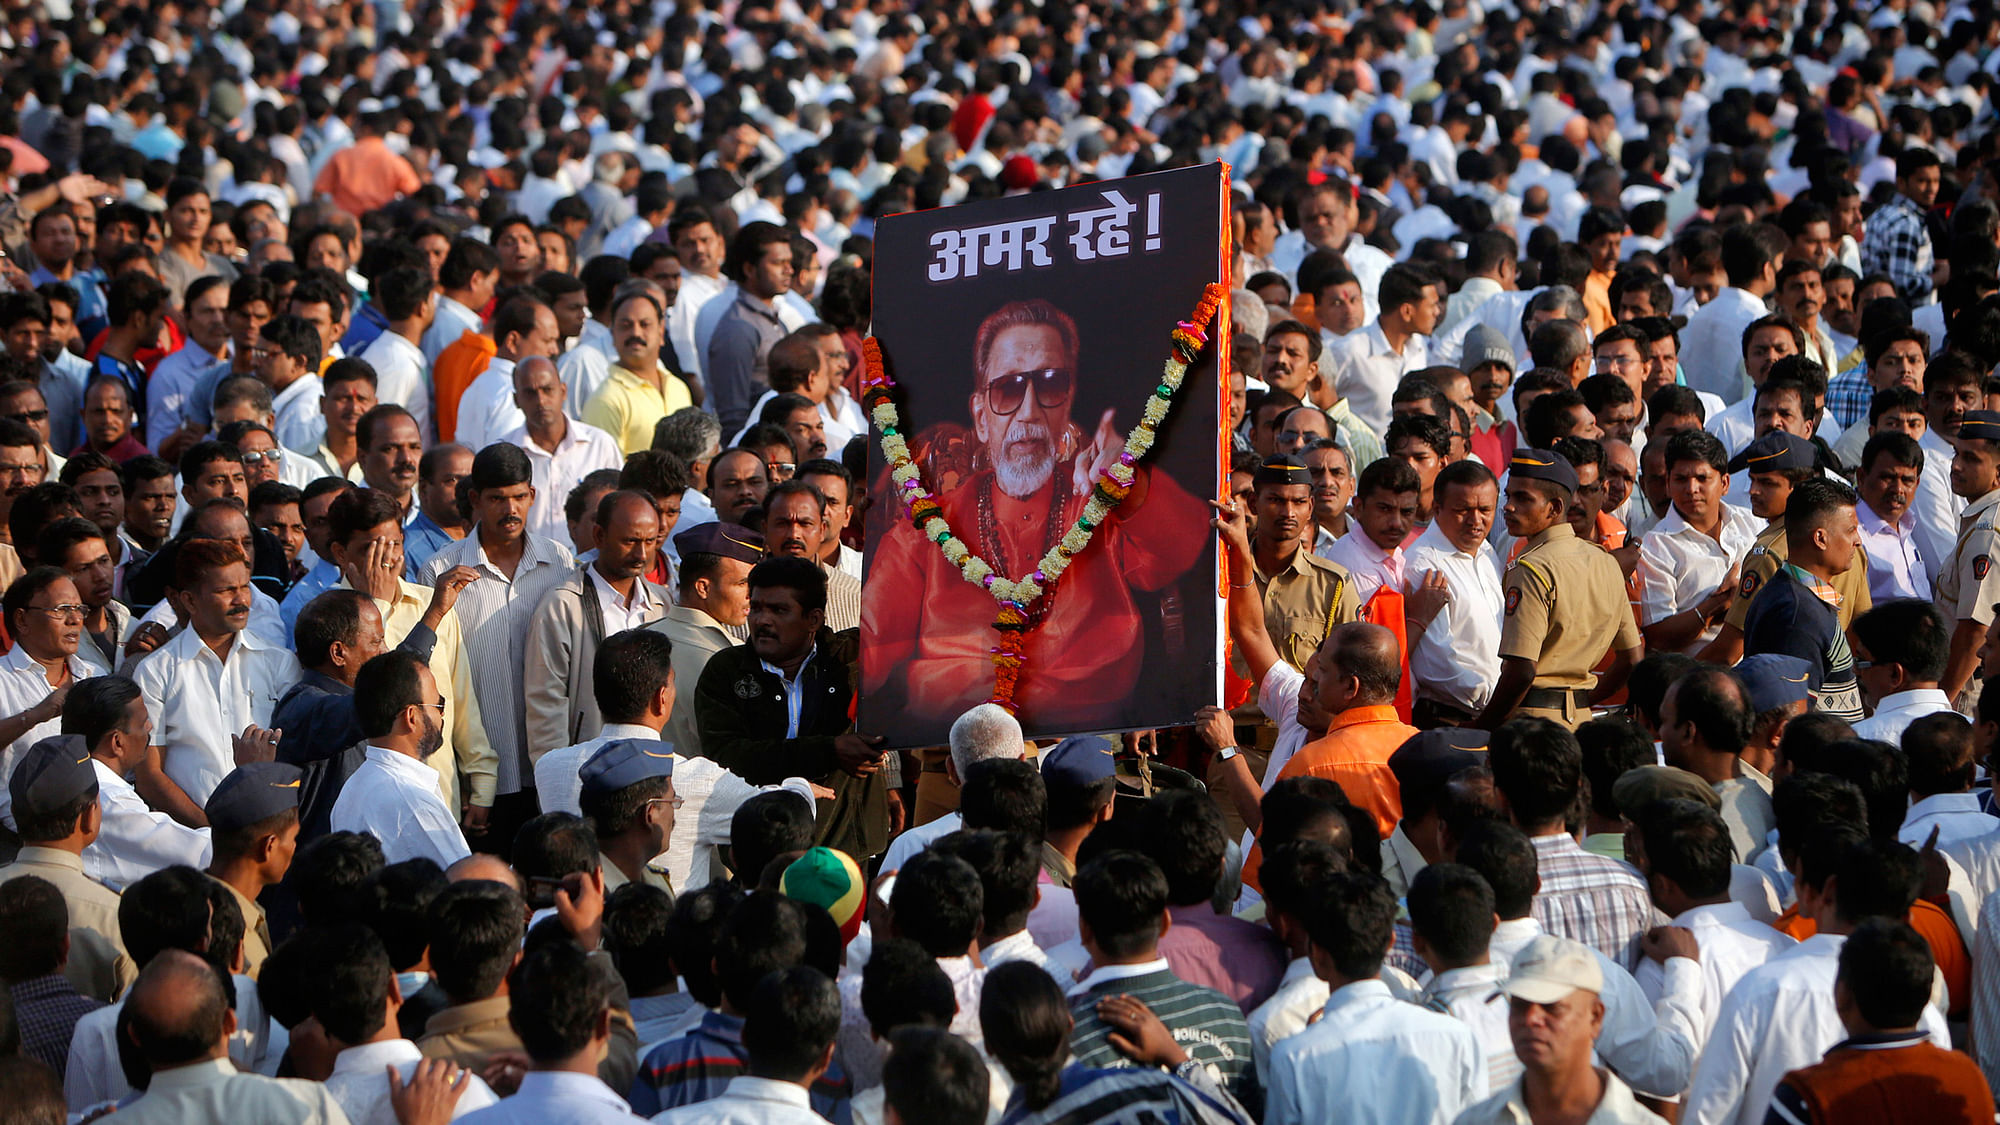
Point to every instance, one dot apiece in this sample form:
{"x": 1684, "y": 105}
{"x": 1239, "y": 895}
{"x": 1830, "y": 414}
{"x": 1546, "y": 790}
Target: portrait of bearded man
{"x": 928, "y": 635}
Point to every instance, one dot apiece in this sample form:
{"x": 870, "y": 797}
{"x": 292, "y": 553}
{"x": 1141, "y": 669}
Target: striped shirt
{"x": 1472, "y": 996}
{"x": 1131, "y": 1097}
{"x": 1208, "y": 1025}
{"x": 1588, "y": 898}
{"x": 698, "y": 1067}
{"x": 843, "y": 599}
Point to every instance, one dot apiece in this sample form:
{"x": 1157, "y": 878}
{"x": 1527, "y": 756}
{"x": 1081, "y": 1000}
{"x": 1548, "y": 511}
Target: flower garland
{"x": 1107, "y": 492}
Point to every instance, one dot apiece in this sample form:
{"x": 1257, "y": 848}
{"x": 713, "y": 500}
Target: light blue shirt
{"x": 317, "y": 581}
{"x": 558, "y": 1098}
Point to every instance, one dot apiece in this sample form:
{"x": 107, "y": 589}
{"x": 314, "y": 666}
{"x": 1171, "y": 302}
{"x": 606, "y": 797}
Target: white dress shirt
{"x": 1732, "y": 943}
{"x": 178, "y": 374}
{"x": 454, "y": 319}
{"x": 1373, "y": 1058}
{"x": 710, "y": 796}
{"x": 554, "y": 1097}
{"x": 697, "y": 290}
{"x": 24, "y": 682}
{"x": 394, "y": 798}
{"x": 1472, "y": 996}
{"x": 402, "y": 376}
{"x": 1955, "y": 816}
{"x": 1287, "y": 1012}
{"x": 296, "y": 420}
{"x": 360, "y": 1082}
{"x": 620, "y": 612}
{"x": 583, "y": 450}
{"x": 493, "y": 618}
{"x": 1365, "y": 370}
{"x": 1457, "y": 659}
{"x": 1650, "y": 1044}
{"x": 486, "y": 409}
{"x": 1985, "y": 946}
{"x": 198, "y": 702}
{"x": 216, "y": 1091}
{"x": 1778, "y": 1018}
{"x": 1936, "y": 507}
{"x": 1896, "y": 564}
{"x": 1895, "y": 712}
{"x": 905, "y": 847}
{"x": 1712, "y": 343}
{"x": 1369, "y": 567}
{"x": 749, "y": 1101}
{"x": 1679, "y": 566}
{"x": 861, "y": 1055}
{"x": 1017, "y": 946}
{"x": 135, "y": 841}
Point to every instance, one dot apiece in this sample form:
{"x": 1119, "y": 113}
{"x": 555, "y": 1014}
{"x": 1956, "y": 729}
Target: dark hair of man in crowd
{"x": 789, "y": 1028}
{"x": 330, "y": 875}
{"x": 765, "y": 827}
{"x": 1122, "y": 898}
{"x": 396, "y": 905}
{"x": 1537, "y": 766}
{"x": 1503, "y": 856}
{"x": 558, "y": 1001}
{"x": 1451, "y": 912}
{"x": 905, "y": 988}
{"x": 1006, "y": 795}
{"x": 638, "y": 926}
{"x": 938, "y": 902}
{"x": 1008, "y": 865}
{"x": 935, "y": 1077}
{"x": 475, "y": 933}
{"x": 693, "y": 933}
{"x": 766, "y": 933}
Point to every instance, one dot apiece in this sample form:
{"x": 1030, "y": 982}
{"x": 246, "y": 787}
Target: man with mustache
{"x": 795, "y": 524}
{"x": 212, "y": 687}
{"x": 515, "y": 567}
{"x": 639, "y": 390}
{"x": 607, "y": 595}
{"x": 737, "y": 482}
{"x": 931, "y": 642}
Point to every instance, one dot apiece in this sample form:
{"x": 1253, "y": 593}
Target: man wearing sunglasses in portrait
{"x": 931, "y": 642}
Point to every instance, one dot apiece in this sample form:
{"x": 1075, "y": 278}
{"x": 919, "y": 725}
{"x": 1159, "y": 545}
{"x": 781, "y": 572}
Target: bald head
{"x": 481, "y": 867}
{"x": 525, "y": 370}
{"x": 179, "y": 1011}
{"x": 1369, "y": 654}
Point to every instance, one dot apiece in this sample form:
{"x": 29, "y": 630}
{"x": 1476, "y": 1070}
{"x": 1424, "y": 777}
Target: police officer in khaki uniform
{"x": 1564, "y": 604}
{"x": 1777, "y": 463}
{"x": 1304, "y": 595}
{"x": 1969, "y": 583}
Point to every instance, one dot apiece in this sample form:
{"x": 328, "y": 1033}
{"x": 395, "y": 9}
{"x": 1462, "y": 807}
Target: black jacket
{"x": 741, "y": 711}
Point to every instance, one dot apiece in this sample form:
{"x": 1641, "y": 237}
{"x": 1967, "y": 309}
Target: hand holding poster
{"x": 1027, "y": 338}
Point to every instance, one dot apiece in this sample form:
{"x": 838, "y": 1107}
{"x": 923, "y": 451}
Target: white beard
{"x": 1021, "y": 475}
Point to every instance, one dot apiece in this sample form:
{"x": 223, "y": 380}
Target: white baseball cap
{"x": 1550, "y": 968}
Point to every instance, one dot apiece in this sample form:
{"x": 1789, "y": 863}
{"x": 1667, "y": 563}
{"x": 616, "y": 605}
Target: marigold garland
{"x": 1107, "y": 492}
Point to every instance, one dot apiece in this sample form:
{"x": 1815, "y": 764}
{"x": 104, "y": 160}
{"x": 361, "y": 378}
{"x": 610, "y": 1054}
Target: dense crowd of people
{"x": 432, "y": 472}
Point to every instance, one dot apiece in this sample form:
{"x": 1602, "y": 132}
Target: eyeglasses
{"x": 30, "y": 417}
{"x": 781, "y": 470}
{"x": 439, "y": 706}
{"x": 677, "y": 801}
{"x": 258, "y": 457}
{"x": 31, "y": 469}
{"x": 62, "y": 612}
{"x": 1006, "y": 393}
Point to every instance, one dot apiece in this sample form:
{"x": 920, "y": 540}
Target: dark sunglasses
{"x": 1006, "y": 393}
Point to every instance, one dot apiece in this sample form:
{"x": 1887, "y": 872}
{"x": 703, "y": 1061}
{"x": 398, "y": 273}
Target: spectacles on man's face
{"x": 255, "y": 457}
{"x": 1006, "y": 393}
{"x": 676, "y": 801}
{"x": 781, "y": 470}
{"x": 62, "y": 612}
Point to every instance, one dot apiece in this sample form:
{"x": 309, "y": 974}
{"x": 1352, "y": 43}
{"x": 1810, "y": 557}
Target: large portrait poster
{"x": 1025, "y": 336}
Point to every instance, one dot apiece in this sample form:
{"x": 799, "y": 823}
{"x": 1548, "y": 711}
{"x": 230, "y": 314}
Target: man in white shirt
{"x": 108, "y": 718}
{"x": 357, "y": 1009}
{"x": 1451, "y": 929}
{"x": 1385, "y": 508}
{"x": 1365, "y": 366}
{"x": 1684, "y": 851}
{"x": 1490, "y": 267}
{"x": 516, "y": 568}
{"x": 1899, "y": 656}
{"x": 393, "y": 796}
{"x": 561, "y": 450}
{"x": 1688, "y": 563}
{"x": 1454, "y": 659}
{"x": 1371, "y": 1057}
{"x": 1941, "y": 753}
{"x": 986, "y": 731}
{"x": 788, "y": 1032}
{"x": 1890, "y": 470}
{"x": 466, "y": 281}
{"x": 48, "y": 656}
{"x": 522, "y": 328}
{"x": 408, "y": 300}
{"x": 212, "y": 687}
{"x": 205, "y": 312}
{"x": 1712, "y": 342}
{"x": 288, "y": 355}
{"x": 1783, "y": 1015}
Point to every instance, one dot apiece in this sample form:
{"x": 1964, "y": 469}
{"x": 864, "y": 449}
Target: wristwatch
{"x": 1226, "y": 753}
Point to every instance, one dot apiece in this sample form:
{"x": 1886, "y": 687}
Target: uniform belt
{"x": 1555, "y": 699}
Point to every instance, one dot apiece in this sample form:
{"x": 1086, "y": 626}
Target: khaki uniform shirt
{"x": 256, "y": 932}
{"x": 1565, "y": 607}
{"x": 98, "y": 965}
{"x": 470, "y": 1034}
{"x": 1969, "y": 583}
{"x": 1769, "y": 553}
{"x": 1302, "y": 602}
{"x": 614, "y": 876}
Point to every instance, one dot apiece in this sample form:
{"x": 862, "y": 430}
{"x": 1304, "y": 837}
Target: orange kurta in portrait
{"x": 931, "y": 632}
